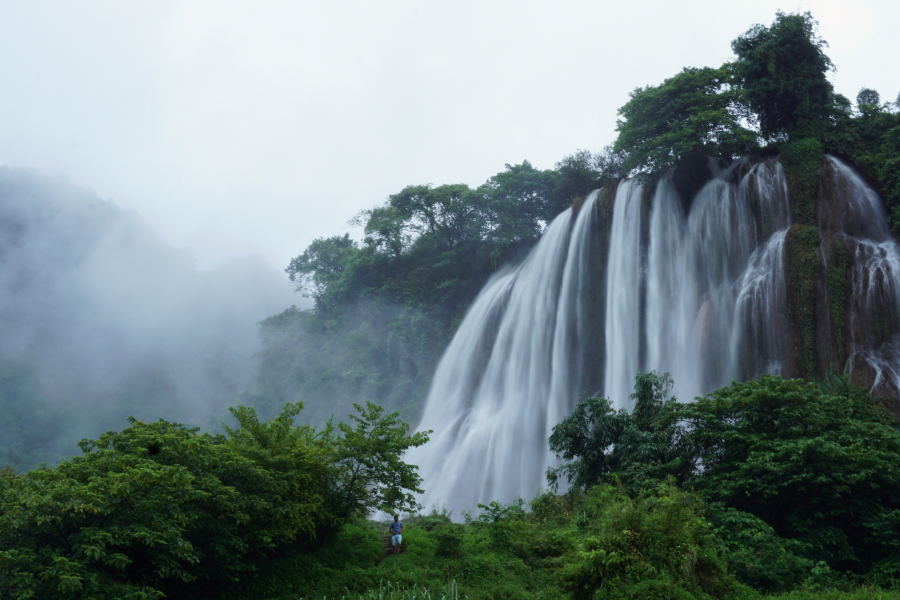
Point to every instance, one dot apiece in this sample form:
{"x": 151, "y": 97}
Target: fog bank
{"x": 100, "y": 320}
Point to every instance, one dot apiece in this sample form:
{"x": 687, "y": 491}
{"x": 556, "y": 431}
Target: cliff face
{"x": 842, "y": 267}
{"x": 840, "y": 310}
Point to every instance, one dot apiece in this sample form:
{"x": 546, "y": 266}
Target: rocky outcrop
{"x": 843, "y": 272}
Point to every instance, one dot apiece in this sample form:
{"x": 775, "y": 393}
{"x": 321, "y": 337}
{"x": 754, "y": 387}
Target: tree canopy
{"x": 695, "y": 113}
{"x": 386, "y": 306}
{"x": 162, "y": 510}
{"x": 782, "y": 74}
{"x": 817, "y": 466}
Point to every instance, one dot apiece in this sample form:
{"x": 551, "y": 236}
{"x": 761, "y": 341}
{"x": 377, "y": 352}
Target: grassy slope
{"x": 422, "y": 573}
{"x": 605, "y": 544}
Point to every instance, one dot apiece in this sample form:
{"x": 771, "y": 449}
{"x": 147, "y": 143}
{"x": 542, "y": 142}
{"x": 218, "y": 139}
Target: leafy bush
{"x": 597, "y": 441}
{"x": 694, "y": 113}
{"x": 811, "y": 465}
{"x": 755, "y": 555}
{"x": 658, "y": 546}
{"x": 815, "y": 467}
{"x": 162, "y": 510}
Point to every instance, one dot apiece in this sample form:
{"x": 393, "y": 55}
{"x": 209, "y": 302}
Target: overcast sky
{"x": 254, "y": 127}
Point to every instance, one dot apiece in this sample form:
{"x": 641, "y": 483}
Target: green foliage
{"x": 122, "y": 522}
{"x": 815, "y": 467}
{"x": 838, "y": 287}
{"x": 868, "y": 101}
{"x": 804, "y": 263}
{"x": 389, "y": 591}
{"x": 367, "y": 471}
{"x": 653, "y": 547}
{"x": 580, "y": 173}
{"x": 755, "y": 554}
{"x": 553, "y": 551}
{"x": 162, "y": 510}
{"x": 781, "y": 72}
{"x": 519, "y": 198}
{"x": 597, "y": 441}
{"x": 693, "y": 113}
{"x": 321, "y": 265}
{"x": 886, "y": 165}
{"x": 607, "y": 543}
{"x": 610, "y": 166}
{"x": 802, "y": 162}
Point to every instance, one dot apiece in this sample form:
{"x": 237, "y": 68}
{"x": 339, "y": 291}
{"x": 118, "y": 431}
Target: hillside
{"x": 102, "y": 320}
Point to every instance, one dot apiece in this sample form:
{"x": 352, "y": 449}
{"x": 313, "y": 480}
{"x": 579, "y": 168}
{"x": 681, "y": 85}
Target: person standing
{"x": 396, "y": 528}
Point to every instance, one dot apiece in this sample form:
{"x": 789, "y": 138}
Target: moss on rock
{"x": 837, "y": 282}
{"x": 802, "y": 162}
{"x": 804, "y": 263}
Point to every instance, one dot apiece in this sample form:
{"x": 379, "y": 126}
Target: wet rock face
{"x": 874, "y": 291}
{"x": 861, "y": 372}
{"x": 857, "y": 303}
{"x": 874, "y": 372}
{"x": 848, "y": 206}
{"x": 689, "y": 177}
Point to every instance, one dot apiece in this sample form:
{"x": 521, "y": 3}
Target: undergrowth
{"x": 659, "y": 542}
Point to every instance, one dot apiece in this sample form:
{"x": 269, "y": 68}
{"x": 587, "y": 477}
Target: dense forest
{"x": 385, "y": 308}
{"x": 777, "y": 487}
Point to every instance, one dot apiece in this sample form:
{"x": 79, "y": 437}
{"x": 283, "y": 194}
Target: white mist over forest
{"x": 101, "y": 320}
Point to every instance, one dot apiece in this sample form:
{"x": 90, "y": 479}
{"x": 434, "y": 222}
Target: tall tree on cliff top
{"x": 781, "y": 72}
{"x": 694, "y": 113}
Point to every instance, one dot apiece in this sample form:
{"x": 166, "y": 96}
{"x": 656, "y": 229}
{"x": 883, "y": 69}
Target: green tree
{"x": 817, "y": 467}
{"x": 321, "y": 265}
{"x": 755, "y": 554}
{"x": 868, "y": 101}
{"x": 577, "y": 175}
{"x": 514, "y": 202}
{"x": 162, "y": 510}
{"x": 367, "y": 467}
{"x": 443, "y": 215}
{"x": 781, "y": 72}
{"x": 596, "y": 441}
{"x": 149, "y": 510}
{"x": 656, "y": 545}
{"x": 610, "y": 165}
{"x": 694, "y": 113}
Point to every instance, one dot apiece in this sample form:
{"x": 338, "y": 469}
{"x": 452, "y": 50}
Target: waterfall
{"x": 874, "y": 315}
{"x": 714, "y": 280}
{"x": 509, "y": 374}
{"x": 623, "y": 290}
{"x": 693, "y": 286}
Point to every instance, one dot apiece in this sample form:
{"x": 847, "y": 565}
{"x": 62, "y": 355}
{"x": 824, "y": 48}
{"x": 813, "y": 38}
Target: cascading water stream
{"x": 714, "y": 285}
{"x": 509, "y": 374}
{"x": 874, "y": 313}
{"x": 623, "y": 286}
{"x": 694, "y": 288}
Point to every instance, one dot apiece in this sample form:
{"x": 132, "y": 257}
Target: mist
{"x": 101, "y": 320}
